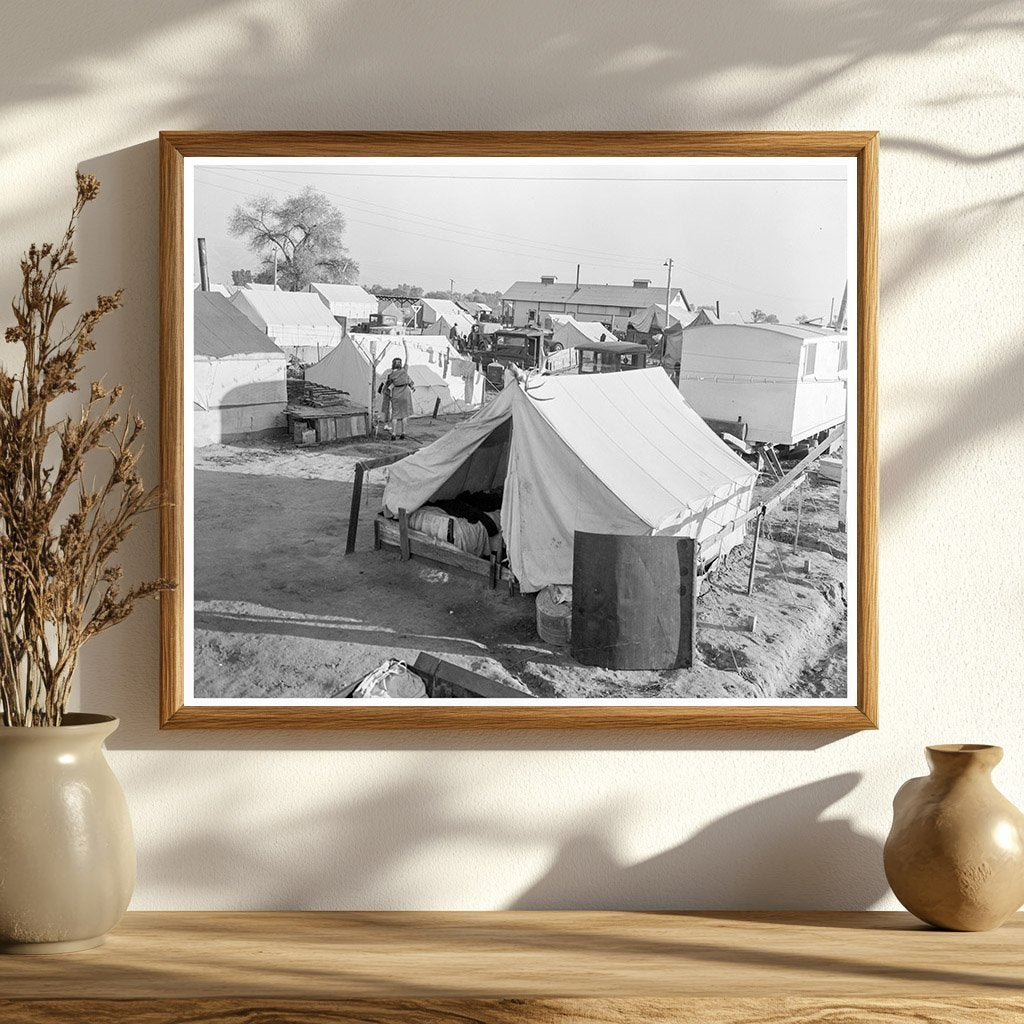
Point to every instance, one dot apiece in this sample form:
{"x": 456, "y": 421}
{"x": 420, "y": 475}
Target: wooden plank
{"x": 384, "y": 460}
{"x": 172, "y": 425}
{"x": 353, "y": 512}
{"x": 403, "y": 534}
{"x": 447, "y": 680}
{"x": 722, "y": 1009}
{"x": 424, "y": 546}
{"x": 860, "y": 144}
{"x": 594, "y": 961}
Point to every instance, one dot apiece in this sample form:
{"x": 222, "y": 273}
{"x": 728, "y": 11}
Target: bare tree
{"x": 305, "y": 232}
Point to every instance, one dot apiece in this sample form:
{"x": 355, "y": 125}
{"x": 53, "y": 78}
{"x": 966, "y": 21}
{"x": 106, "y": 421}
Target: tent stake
{"x": 799, "y": 511}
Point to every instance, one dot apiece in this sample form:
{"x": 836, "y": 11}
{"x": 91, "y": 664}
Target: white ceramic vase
{"x": 67, "y": 855}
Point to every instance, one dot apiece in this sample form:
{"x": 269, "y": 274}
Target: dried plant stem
{"x": 58, "y": 586}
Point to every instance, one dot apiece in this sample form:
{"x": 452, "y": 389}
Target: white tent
{"x": 431, "y": 310}
{"x": 462, "y": 322}
{"x": 568, "y": 333}
{"x": 653, "y": 317}
{"x": 617, "y": 453}
{"x": 298, "y": 322}
{"x": 349, "y": 367}
{"x": 238, "y": 374}
{"x": 350, "y": 301}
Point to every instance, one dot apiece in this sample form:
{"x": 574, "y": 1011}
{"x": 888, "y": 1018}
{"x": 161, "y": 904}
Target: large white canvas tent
{"x": 431, "y": 310}
{"x": 569, "y": 332}
{"x": 297, "y": 322}
{"x": 239, "y": 385}
{"x": 349, "y": 301}
{"x": 617, "y": 453}
{"x": 462, "y": 322}
{"x": 786, "y": 383}
{"x": 452, "y": 378}
{"x": 654, "y": 318}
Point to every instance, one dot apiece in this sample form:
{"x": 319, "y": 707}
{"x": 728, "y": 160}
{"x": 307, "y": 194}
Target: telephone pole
{"x": 204, "y": 273}
{"x": 668, "y": 294}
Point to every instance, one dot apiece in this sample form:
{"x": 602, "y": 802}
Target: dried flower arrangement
{"x": 58, "y": 587}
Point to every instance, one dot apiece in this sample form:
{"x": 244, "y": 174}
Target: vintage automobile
{"x": 598, "y": 357}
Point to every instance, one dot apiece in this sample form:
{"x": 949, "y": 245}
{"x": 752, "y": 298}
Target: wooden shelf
{"x": 423, "y": 968}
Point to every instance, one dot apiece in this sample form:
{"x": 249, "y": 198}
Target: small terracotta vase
{"x": 955, "y": 854}
{"x": 67, "y": 856}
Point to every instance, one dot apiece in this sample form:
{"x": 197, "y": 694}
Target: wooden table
{"x": 522, "y": 967}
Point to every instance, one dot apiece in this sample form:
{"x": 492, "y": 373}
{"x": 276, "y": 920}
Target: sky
{"x": 768, "y": 234}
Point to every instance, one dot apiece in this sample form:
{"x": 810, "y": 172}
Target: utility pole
{"x": 668, "y": 292}
{"x": 204, "y": 272}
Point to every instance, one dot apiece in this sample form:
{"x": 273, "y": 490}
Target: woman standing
{"x": 398, "y": 386}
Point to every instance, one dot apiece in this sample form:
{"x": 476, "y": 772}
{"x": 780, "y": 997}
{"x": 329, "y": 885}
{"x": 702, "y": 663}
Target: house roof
{"x": 298, "y": 309}
{"x": 588, "y": 294}
{"x": 470, "y": 306}
{"x": 221, "y": 330}
{"x": 344, "y": 293}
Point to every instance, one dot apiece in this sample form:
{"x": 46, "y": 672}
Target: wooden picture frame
{"x": 176, "y": 147}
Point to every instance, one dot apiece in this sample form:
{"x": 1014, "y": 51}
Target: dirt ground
{"x": 280, "y": 611}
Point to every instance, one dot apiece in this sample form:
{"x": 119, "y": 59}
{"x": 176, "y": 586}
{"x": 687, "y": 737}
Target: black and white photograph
{"x": 520, "y": 430}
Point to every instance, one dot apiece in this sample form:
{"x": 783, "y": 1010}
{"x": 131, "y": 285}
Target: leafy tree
{"x": 240, "y": 277}
{"x": 304, "y": 230}
{"x": 759, "y": 316}
{"x": 410, "y": 291}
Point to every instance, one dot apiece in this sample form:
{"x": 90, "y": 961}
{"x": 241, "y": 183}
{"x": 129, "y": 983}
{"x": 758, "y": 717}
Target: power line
{"x": 568, "y": 258}
{"x": 395, "y": 213}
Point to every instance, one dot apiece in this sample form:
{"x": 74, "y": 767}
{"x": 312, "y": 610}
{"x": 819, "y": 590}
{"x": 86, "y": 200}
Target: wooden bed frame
{"x": 397, "y": 534}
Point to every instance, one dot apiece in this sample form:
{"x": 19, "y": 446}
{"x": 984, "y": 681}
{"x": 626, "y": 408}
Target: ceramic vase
{"x": 955, "y": 854}
{"x": 67, "y": 855}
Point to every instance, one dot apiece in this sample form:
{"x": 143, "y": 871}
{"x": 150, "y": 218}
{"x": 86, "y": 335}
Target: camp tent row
{"x": 610, "y": 453}
{"x": 239, "y": 385}
{"x": 434, "y": 364}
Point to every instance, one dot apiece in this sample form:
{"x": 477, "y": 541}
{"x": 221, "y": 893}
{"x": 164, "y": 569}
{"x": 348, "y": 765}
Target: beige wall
{"x": 732, "y": 820}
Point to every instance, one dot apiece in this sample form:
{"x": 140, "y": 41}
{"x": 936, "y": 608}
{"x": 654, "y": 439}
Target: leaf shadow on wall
{"x": 386, "y": 848}
{"x": 778, "y": 853}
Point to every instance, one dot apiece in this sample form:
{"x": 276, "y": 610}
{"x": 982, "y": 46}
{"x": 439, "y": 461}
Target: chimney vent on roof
{"x": 547, "y": 278}
{"x": 641, "y": 282}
